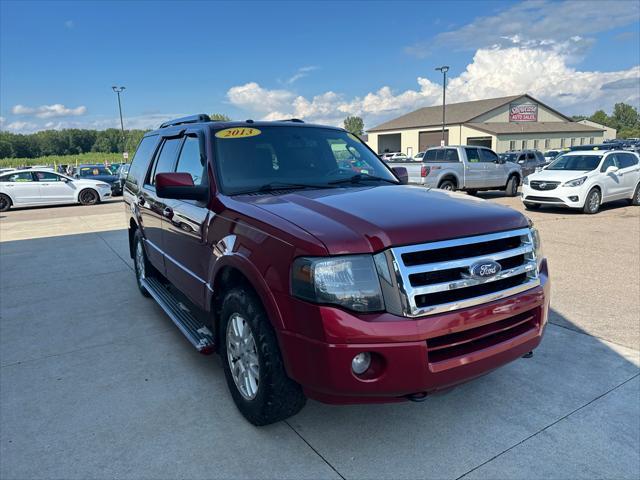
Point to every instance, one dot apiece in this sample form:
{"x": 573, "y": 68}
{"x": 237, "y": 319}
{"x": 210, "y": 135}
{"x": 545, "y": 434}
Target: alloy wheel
{"x": 140, "y": 261}
{"x": 242, "y": 356}
{"x": 594, "y": 201}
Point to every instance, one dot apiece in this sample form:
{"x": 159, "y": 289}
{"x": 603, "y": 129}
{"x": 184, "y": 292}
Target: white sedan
{"x": 33, "y": 187}
{"x": 585, "y": 179}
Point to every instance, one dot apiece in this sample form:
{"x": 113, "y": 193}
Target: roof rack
{"x": 201, "y": 117}
{"x": 295, "y": 120}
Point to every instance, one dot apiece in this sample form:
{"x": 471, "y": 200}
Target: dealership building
{"x": 508, "y": 123}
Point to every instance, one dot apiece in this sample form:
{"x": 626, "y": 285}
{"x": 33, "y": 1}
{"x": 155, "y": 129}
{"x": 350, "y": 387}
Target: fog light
{"x": 361, "y": 363}
{"x": 573, "y": 198}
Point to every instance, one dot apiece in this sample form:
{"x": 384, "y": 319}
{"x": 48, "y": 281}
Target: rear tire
{"x": 531, "y": 206}
{"x": 5, "y": 202}
{"x": 252, "y": 363}
{"x": 592, "y": 202}
{"x": 635, "y": 200}
{"x": 447, "y": 185}
{"x": 88, "y": 196}
{"x": 512, "y": 186}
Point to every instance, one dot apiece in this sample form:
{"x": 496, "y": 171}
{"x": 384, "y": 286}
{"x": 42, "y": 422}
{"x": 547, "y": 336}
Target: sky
{"x": 319, "y": 61}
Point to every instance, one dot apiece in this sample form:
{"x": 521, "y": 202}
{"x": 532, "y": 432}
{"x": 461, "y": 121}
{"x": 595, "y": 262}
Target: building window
{"x": 592, "y": 140}
{"x": 581, "y": 140}
{"x": 512, "y": 145}
{"x": 547, "y": 142}
{"x": 524, "y": 145}
{"x": 535, "y": 144}
{"x": 573, "y": 141}
{"x": 562, "y": 143}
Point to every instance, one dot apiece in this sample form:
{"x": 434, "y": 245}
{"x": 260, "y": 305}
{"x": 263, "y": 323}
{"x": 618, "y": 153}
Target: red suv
{"x": 313, "y": 280}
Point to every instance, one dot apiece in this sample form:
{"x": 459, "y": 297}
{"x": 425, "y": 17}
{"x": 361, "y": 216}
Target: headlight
{"x": 575, "y": 183}
{"x": 525, "y": 181}
{"x": 537, "y": 243}
{"x": 350, "y": 282}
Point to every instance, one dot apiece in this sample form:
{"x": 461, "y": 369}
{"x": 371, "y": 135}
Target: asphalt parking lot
{"x": 96, "y": 382}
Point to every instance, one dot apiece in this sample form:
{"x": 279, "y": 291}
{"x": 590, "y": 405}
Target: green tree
{"x": 6, "y": 150}
{"x": 354, "y": 124}
{"x": 577, "y": 118}
{"x": 600, "y": 117}
{"x": 220, "y": 117}
{"x": 625, "y": 116}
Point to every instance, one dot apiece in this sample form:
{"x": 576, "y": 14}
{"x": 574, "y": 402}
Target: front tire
{"x": 635, "y": 200}
{"x": 252, "y": 363}
{"x": 88, "y": 196}
{"x": 5, "y": 202}
{"x": 512, "y": 186}
{"x": 592, "y": 202}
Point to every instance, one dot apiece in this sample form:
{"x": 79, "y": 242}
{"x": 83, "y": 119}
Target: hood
{"x": 369, "y": 219}
{"x": 101, "y": 178}
{"x": 557, "y": 175}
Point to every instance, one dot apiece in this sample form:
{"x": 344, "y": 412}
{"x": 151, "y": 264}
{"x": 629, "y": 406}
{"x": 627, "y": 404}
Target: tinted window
{"x": 140, "y": 162}
{"x": 487, "y": 156}
{"x": 472, "y": 155}
{"x": 93, "y": 171}
{"x": 47, "y": 176}
{"x": 610, "y": 161}
{"x": 451, "y": 155}
{"x": 191, "y": 161}
{"x": 627, "y": 160}
{"x": 430, "y": 156}
{"x": 165, "y": 160}
{"x": 17, "y": 177}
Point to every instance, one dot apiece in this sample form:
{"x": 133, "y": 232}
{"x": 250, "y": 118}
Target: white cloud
{"x": 301, "y": 73}
{"x": 21, "y": 127}
{"x": 49, "y": 111}
{"x": 544, "y": 73}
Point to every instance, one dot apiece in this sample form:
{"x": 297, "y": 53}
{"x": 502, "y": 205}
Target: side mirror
{"x": 402, "y": 174}
{"x": 179, "y": 186}
{"x": 611, "y": 169}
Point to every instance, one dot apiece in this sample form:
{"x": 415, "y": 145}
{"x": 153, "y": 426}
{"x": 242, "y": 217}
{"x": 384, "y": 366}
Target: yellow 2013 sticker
{"x": 238, "y": 132}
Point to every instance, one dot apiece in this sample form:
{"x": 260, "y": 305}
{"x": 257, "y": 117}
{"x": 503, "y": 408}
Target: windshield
{"x": 575, "y": 162}
{"x": 253, "y": 159}
{"x": 93, "y": 171}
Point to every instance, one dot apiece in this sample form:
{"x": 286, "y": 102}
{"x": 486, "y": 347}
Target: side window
{"x": 627, "y": 160}
{"x": 488, "y": 156}
{"x": 190, "y": 160}
{"x": 440, "y": 155}
{"x": 47, "y": 177}
{"x": 472, "y": 155}
{"x": 430, "y": 156}
{"x": 165, "y": 160}
{"x": 17, "y": 177}
{"x": 451, "y": 155}
{"x": 140, "y": 162}
{"x": 610, "y": 161}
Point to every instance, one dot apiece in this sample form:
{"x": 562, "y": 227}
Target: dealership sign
{"x": 523, "y": 112}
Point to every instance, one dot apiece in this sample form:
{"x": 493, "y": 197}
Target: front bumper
{"x": 411, "y": 356}
{"x": 572, "y": 197}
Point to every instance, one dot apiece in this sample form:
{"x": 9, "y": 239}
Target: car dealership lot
{"x": 95, "y": 381}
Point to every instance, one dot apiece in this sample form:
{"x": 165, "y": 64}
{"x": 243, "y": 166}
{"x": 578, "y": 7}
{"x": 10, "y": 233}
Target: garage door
{"x": 432, "y": 139}
{"x": 479, "y": 141}
{"x": 389, "y": 143}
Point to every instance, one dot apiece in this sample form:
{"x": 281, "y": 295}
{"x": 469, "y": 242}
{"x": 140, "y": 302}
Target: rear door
{"x": 21, "y": 187}
{"x": 629, "y": 172}
{"x": 152, "y": 208}
{"x": 475, "y": 170}
{"x": 185, "y": 225}
{"x": 54, "y": 188}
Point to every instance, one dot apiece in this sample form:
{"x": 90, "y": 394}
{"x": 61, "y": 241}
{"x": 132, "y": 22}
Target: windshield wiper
{"x": 360, "y": 177}
{"x": 275, "y": 186}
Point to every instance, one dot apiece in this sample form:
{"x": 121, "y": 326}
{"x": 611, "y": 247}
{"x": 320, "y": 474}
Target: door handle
{"x": 140, "y": 200}
{"x": 168, "y": 212}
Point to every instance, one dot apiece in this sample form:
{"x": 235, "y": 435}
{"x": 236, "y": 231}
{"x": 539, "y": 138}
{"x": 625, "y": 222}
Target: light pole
{"x": 118, "y": 91}
{"x": 444, "y": 69}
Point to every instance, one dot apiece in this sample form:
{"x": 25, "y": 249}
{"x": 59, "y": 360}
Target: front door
{"x": 495, "y": 168}
{"x": 612, "y": 181}
{"x": 54, "y": 188}
{"x": 151, "y": 207}
{"x": 23, "y": 188}
{"x": 185, "y": 227}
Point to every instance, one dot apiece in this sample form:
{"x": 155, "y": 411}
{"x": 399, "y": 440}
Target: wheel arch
{"x": 449, "y": 176}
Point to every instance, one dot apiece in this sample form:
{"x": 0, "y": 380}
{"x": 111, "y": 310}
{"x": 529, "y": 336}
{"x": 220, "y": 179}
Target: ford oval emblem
{"x": 485, "y": 269}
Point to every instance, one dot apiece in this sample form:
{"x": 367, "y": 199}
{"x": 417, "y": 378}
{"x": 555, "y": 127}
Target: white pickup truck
{"x": 463, "y": 167}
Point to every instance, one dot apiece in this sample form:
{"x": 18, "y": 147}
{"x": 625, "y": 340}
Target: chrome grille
{"x": 541, "y": 185}
{"x": 436, "y": 277}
